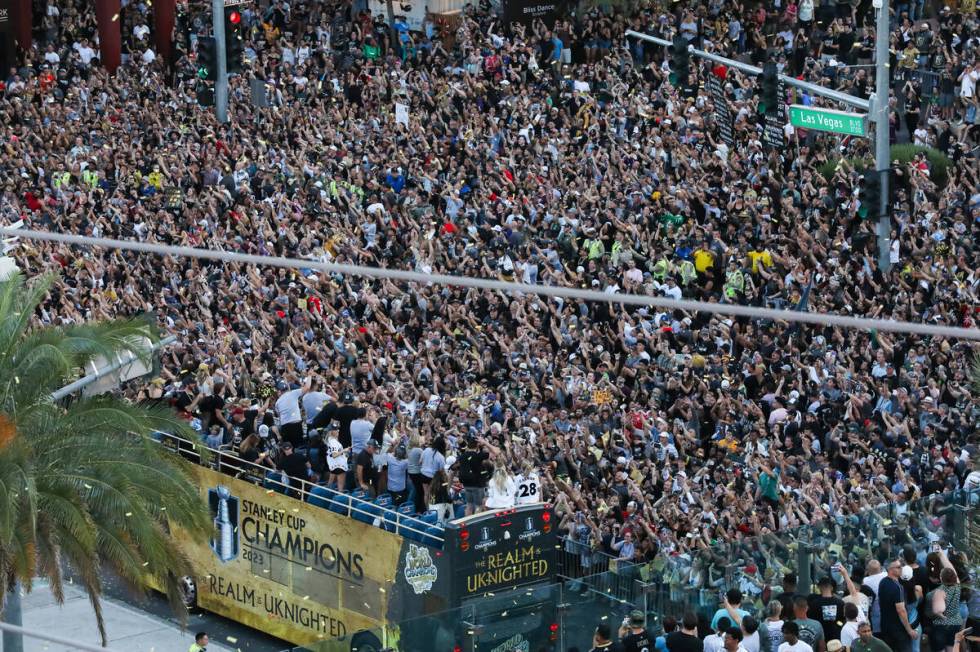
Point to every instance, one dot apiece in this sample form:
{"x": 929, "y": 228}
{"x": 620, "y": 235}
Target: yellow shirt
{"x": 703, "y": 260}
{"x": 757, "y": 257}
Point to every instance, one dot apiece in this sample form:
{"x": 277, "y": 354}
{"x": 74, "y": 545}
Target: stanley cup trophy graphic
{"x": 224, "y": 507}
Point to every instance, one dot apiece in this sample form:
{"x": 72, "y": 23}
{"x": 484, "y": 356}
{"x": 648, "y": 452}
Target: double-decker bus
{"x": 332, "y": 572}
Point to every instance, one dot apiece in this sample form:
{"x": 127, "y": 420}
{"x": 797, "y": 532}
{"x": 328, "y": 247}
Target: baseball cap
{"x": 371, "y": 443}
{"x": 637, "y": 619}
{"x": 263, "y": 431}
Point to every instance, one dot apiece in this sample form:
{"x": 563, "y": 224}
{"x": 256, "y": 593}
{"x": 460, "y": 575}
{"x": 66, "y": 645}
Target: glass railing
{"x": 607, "y": 589}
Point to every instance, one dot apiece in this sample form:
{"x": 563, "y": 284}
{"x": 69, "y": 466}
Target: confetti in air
{"x": 115, "y": 18}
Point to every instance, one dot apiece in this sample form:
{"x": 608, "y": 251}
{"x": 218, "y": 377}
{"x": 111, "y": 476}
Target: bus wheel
{"x": 365, "y": 642}
{"x": 189, "y": 589}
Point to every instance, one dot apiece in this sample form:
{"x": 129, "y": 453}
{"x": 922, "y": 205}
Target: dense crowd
{"x": 917, "y": 598}
{"x": 547, "y": 156}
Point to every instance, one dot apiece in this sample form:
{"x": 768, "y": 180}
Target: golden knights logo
{"x": 420, "y": 572}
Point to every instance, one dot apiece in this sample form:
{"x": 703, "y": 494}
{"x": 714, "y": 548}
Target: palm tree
{"x": 83, "y": 483}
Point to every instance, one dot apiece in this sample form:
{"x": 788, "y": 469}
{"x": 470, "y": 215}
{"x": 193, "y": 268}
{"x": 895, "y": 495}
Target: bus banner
{"x": 303, "y": 573}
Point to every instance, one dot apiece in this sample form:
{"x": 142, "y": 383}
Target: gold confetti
{"x": 231, "y": 639}
{"x": 129, "y": 514}
{"x": 145, "y": 564}
{"x": 17, "y": 379}
{"x": 381, "y": 588}
{"x": 115, "y": 18}
{"x": 309, "y": 568}
{"x": 88, "y": 486}
{"x": 306, "y": 597}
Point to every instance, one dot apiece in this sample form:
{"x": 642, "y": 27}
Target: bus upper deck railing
{"x": 353, "y": 505}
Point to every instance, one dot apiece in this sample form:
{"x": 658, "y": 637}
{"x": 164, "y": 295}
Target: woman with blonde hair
{"x": 502, "y": 490}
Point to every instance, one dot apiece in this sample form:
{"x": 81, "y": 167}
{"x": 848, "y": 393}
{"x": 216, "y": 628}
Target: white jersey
{"x": 528, "y": 489}
{"x": 501, "y": 498}
{"x": 336, "y": 455}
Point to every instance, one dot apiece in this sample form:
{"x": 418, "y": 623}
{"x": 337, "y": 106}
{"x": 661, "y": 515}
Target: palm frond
{"x": 84, "y": 483}
{"x": 18, "y": 301}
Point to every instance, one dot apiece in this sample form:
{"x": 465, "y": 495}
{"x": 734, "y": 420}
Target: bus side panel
{"x": 422, "y": 586}
{"x": 298, "y": 572}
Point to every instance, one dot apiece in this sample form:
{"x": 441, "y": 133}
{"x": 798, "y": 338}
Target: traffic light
{"x": 769, "y": 89}
{"x": 207, "y": 58}
{"x": 234, "y": 45}
{"x": 680, "y": 61}
{"x": 870, "y": 194}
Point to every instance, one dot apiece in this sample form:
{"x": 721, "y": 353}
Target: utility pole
{"x": 221, "y": 84}
{"x": 877, "y": 108}
{"x": 813, "y": 89}
{"x": 882, "y": 157}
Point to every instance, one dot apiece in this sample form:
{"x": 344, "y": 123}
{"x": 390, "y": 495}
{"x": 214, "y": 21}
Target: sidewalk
{"x": 129, "y": 629}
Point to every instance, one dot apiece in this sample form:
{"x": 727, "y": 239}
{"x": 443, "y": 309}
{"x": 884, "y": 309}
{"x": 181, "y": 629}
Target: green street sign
{"x": 838, "y": 122}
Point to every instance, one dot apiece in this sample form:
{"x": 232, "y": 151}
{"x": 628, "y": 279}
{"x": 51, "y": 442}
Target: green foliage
{"x": 84, "y": 483}
{"x": 939, "y": 163}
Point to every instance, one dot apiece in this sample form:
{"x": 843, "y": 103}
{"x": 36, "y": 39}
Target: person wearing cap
{"x": 366, "y": 474}
{"x": 296, "y": 466}
{"x": 633, "y": 633}
{"x": 602, "y": 640}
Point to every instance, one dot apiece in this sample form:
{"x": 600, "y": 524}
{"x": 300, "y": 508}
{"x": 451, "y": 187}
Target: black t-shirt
{"x": 366, "y": 459}
{"x": 890, "y": 593}
{"x": 471, "y": 468}
{"x": 610, "y": 647}
{"x": 294, "y": 465}
{"x": 251, "y": 455}
{"x": 183, "y": 401}
{"x": 211, "y": 405}
{"x": 681, "y": 642}
{"x": 829, "y": 612}
{"x": 786, "y": 600}
{"x": 641, "y": 642}
{"x": 921, "y": 578}
{"x": 344, "y": 414}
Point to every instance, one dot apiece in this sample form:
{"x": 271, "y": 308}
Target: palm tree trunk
{"x": 13, "y": 614}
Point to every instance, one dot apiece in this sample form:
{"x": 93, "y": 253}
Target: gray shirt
{"x": 360, "y": 433}
{"x": 415, "y": 460}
